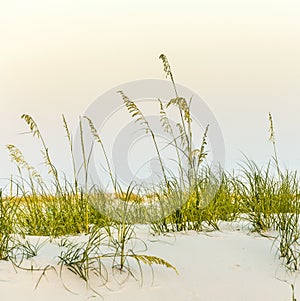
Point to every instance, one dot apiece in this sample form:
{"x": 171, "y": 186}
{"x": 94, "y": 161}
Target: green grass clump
{"x": 56, "y": 216}
{"x": 7, "y": 226}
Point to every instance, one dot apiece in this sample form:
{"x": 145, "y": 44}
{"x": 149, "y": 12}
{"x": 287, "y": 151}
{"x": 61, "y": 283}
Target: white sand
{"x": 231, "y": 265}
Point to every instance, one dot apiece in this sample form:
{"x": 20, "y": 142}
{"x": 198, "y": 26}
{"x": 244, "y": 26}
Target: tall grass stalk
{"x": 99, "y": 140}
{"x": 273, "y": 141}
{"x": 140, "y": 118}
{"x": 48, "y": 162}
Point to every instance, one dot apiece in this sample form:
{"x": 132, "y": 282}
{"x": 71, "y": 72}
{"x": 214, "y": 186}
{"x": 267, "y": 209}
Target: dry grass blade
{"x": 18, "y": 158}
{"x": 66, "y": 128}
{"x": 183, "y": 106}
{"x": 150, "y": 260}
{"x": 204, "y": 140}
{"x": 272, "y": 139}
{"x": 200, "y": 154}
{"x": 134, "y": 110}
{"x": 271, "y": 129}
{"x": 94, "y": 130}
{"x": 164, "y": 119}
{"x": 32, "y": 125}
{"x": 36, "y": 132}
{"x": 167, "y": 67}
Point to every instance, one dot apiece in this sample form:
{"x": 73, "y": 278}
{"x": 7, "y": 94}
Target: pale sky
{"x": 241, "y": 57}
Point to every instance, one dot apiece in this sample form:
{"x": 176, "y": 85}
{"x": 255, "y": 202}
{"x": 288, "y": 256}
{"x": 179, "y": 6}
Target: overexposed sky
{"x": 241, "y": 57}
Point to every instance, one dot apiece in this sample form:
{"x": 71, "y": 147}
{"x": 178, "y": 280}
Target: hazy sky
{"x": 241, "y": 57}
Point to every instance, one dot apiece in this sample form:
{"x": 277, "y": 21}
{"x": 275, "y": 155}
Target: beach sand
{"x": 228, "y": 265}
